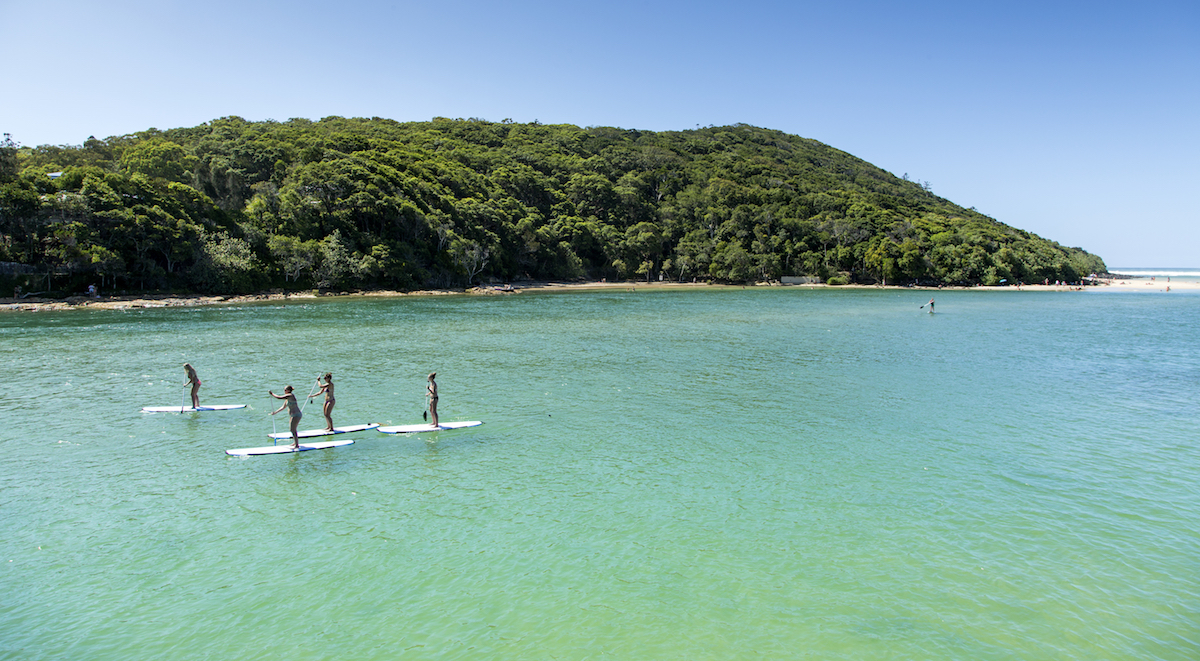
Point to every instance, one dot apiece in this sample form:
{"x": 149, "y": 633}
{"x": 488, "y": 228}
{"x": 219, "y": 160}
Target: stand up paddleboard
{"x": 287, "y": 448}
{"x": 191, "y": 409}
{"x": 309, "y": 433}
{"x": 416, "y": 429}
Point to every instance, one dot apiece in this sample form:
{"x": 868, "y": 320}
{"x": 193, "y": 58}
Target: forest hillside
{"x": 234, "y": 206}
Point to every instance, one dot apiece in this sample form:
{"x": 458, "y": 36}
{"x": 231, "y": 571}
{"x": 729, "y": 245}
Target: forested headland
{"x": 234, "y": 206}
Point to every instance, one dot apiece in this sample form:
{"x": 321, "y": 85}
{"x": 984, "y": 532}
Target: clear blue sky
{"x": 1077, "y": 121}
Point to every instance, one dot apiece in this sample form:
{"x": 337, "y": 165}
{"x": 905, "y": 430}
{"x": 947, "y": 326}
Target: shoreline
{"x": 146, "y": 301}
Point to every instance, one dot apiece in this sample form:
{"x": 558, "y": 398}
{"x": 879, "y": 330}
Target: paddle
{"x": 274, "y": 441}
{"x": 312, "y": 390}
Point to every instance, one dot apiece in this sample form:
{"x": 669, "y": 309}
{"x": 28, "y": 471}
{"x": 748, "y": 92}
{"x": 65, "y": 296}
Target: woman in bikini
{"x": 194, "y": 382}
{"x": 327, "y": 388}
{"x": 293, "y": 411}
{"x": 431, "y": 394}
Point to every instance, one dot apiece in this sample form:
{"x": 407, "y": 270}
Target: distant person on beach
{"x": 194, "y": 382}
{"x": 327, "y": 388}
{"x": 431, "y": 394}
{"x": 293, "y": 411}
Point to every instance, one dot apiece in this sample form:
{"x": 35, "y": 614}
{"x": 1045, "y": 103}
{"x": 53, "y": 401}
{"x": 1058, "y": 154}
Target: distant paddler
{"x": 293, "y": 411}
{"x": 194, "y": 382}
{"x": 327, "y": 388}
{"x": 930, "y": 304}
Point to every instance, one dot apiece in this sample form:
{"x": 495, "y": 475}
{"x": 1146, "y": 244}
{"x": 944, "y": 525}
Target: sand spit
{"x": 35, "y": 304}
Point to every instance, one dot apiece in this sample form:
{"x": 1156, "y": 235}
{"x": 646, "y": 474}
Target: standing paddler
{"x": 431, "y": 394}
{"x": 194, "y": 382}
{"x": 327, "y": 388}
{"x": 293, "y": 411}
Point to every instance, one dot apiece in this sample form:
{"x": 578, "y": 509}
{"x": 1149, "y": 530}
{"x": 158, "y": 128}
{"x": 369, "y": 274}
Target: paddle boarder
{"x": 293, "y": 411}
{"x": 194, "y": 382}
{"x": 327, "y": 388}
{"x": 930, "y": 304}
{"x": 432, "y": 395}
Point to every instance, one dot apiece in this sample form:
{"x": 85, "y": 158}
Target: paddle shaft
{"x": 274, "y": 441}
{"x": 312, "y": 390}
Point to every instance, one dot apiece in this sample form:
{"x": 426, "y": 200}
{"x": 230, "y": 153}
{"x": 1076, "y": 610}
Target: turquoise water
{"x": 713, "y": 474}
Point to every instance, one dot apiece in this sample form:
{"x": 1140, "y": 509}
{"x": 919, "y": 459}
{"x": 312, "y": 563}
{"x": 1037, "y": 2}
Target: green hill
{"x": 238, "y": 206}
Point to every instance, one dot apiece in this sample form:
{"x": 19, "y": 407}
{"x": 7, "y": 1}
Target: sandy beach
{"x": 129, "y": 302}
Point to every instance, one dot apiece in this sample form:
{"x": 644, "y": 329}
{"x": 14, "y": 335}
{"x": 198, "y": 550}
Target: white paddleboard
{"x": 189, "y": 409}
{"x": 286, "y": 448}
{"x": 416, "y": 429}
{"x": 309, "y": 433}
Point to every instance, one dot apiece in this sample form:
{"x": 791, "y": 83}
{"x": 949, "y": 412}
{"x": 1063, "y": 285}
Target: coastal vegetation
{"x": 235, "y": 206}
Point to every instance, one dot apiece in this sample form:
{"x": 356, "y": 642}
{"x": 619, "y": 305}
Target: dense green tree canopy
{"x": 234, "y": 205}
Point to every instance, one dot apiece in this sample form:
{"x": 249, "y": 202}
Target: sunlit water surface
{"x": 763, "y": 473}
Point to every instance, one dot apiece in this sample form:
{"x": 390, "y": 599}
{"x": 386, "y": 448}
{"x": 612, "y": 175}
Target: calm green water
{"x": 763, "y": 473}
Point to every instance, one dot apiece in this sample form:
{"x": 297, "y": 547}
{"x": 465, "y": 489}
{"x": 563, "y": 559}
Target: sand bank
{"x": 35, "y": 304}
{"x": 1133, "y": 284}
